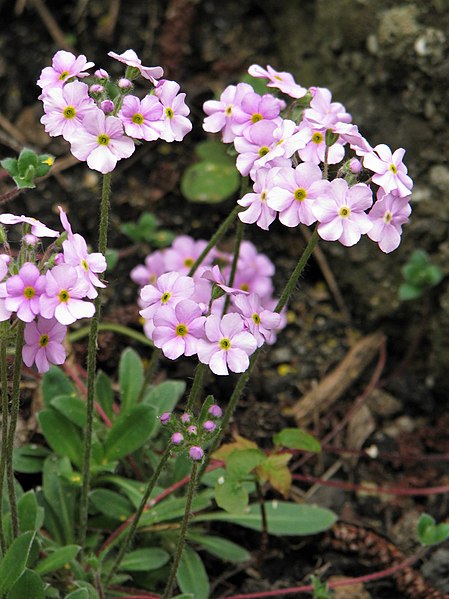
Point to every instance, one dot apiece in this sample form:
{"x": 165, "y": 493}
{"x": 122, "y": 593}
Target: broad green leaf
{"x": 84, "y": 586}
{"x": 27, "y": 509}
{"x": 104, "y": 393}
{"x": 29, "y": 459}
{"x": 284, "y": 518}
{"x": 111, "y": 504}
{"x": 295, "y": 438}
{"x": 62, "y": 436}
{"x": 185, "y": 596}
{"x": 242, "y": 461}
{"x": 72, "y": 408}
{"x": 231, "y": 495}
{"x": 165, "y": 396}
{"x": 191, "y": 575}
{"x": 430, "y": 533}
{"x": 130, "y": 431}
{"x": 29, "y": 585}
{"x": 13, "y": 563}
{"x": 409, "y": 292}
{"x": 54, "y": 383}
{"x": 172, "y": 509}
{"x": 213, "y": 151}
{"x": 239, "y": 443}
{"x": 134, "y": 490}
{"x": 78, "y": 594}
{"x": 145, "y": 559}
{"x": 221, "y": 548}
{"x": 60, "y": 495}
{"x": 130, "y": 377}
{"x": 274, "y": 469}
{"x": 209, "y": 182}
{"x": 57, "y": 560}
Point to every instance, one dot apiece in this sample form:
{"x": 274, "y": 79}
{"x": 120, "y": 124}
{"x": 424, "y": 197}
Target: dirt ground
{"x": 388, "y": 62}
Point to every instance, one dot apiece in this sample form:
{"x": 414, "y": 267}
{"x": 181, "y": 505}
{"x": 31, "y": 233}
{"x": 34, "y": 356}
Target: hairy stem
{"x": 4, "y": 429}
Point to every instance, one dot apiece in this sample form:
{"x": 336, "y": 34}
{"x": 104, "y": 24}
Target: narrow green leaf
{"x": 27, "y": 509}
{"x": 221, "y": 548}
{"x": 130, "y": 431}
{"x": 78, "y": 594}
{"x": 165, "y": 396}
{"x": 72, "y": 408}
{"x": 54, "y": 383}
{"x": 57, "y": 560}
{"x": 145, "y": 559}
{"x": 62, "y": 436}
{"x": 191, "y": 575}
{"x": 104, "y": 393}
{"x": 60, "y": 495}
{"x": 111, "y": 504}
{"x": 284, "y": 518}
{"x": 130, "y": 377}
{"x": 29, "y": 586}
{"x": 13, "y": 563}
{"x": 295, "y": 438}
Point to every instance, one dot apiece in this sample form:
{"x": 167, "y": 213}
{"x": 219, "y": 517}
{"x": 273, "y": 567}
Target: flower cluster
{"x": 103, "y": 120}
{"x": 190, "y": 434}
{"x": 287, "y": 161}
{"x": 48, "y": 295}
{"x": 185, "y": 315}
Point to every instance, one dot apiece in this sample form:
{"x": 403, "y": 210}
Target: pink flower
{"x": 261, "y": 322}
{"x": 142, "y": 118}
{"x": 65, "y": 109}
{"x": 257, "y": 210}
{"x": 278, "y": 79}
{"x": 63, "y": 295}
{"x": 315, "y": 147}
{"x": 254, "y": 271}
{"x": 37, "y": 228}
{"x": 101, "y": 142}
{"x": 390, "y": 171}
{"x": 4, "y": 261}
{"x": 227, "y": 346}
{"x": 65, "y": 65}
{"x": 181, "y": 256}
{"x": 294, "y": 192}
{"x": 388, "y": 215}
{"x": 221, "y": 113}
{"x": 153, "y": 268}
{"x": 341, "y": 214}
{"x": 254, "y": 108}
{"x": 177, "y": 329}
{"x": 323, "y": 113}
{"x": 175, "y": 111}
{"x": 215, "y": 276}
{"x": 43, "y": 343}
{"x": 24, "y": 291}
{"x": 258, "y": 141}
{"x": 169, "y": 289}
{"x": 195, "y": 452}
{"x": 130, "y": 58}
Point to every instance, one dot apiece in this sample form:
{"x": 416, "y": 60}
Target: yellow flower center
{"x": 64, "y": 295}
{"x": 63, "y": 75}
{"x": 44, "y": 340}
{"x": 165, "y": 297}
{"x": 256, "y": 117}
{"x": 169, "y": 113}
{"x": 181, "y": 330}
{"x": 29, "y": 292}
{"x": 263, "y": 196}
{"x": 300, "y": 194}
{"x": 244, "y": 287}
{"x": 103, "y": 139}
{"x": 84, "y": 265}
{"x": 344, "y": 211}
{"x": 188, "y": 262}
{"x": 256, "y": 318}
{"x": 392, "y": 168}
{"x": 69, "y": 112}
{"x": 264, "y": 151}
{"x": 137, "y": 118}
{"x": 225, "y": 343}
{"x": 317, "y": 137}
{"x": 388, "y": 217}
{"x": 228, "y": 110}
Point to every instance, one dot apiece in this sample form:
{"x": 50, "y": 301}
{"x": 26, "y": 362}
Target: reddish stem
{"x": 377, "y": 490}
{"x": 332, "y": 585}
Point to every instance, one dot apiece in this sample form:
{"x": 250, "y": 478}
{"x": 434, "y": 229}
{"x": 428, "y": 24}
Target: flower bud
{"x": 215, "y": 411}
{"x": 101, "y": 74}
{"x": 177, "y": 438}
{"x": 196, "y": 453}
{"x": 30, "y": 240}
{"x": 96, "y": 88}
{"x": 107, "y": 106}
{"x": 192, "y": 430}
{"x": 209, "y": 425}
{"x": 124, "y": 83}
{"x": 165, "y": 417}
{"x": 355, "y": 166}
{"x": 185, "y": 418}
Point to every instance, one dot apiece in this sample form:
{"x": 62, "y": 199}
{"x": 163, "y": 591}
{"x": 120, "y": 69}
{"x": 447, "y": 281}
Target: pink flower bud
{"x": 209, "y": 425}
{"x": 165, "y": 417}
{"x": 355, "y": 166}
{"x": 185, "y": 418}
{"x": 96, "y": 88}
{"x": 101, "y": 74}
{"x": 215, "y": 411}
{"x": 30, "y": 239}
{"x": 124, "y": 83}
{"x": 192, "y": 430}
{"x": 196, "y": 453}
{"x": 107, "y": 106}
{"x": 177, "y": 438}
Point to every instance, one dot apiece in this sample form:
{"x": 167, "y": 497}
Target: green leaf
{"x": 78, "y": 594}
{"x": 165, "y": 396}
{"x": 104, "y": 393}
{"x": 57, "y": 560}
{"x": 185, "y": 596}
{"x": 209, "y": 182}
{"x": 62, "y": 436}
{"x": 172, "y": 509}
{"x": 29, "y": 458}
{"x": 213, "y": 151}
{"x": 10, "y": 165}
{"x": 409, "y": 292}
{"x": 284, "y": 518}
{"x": 54, "y": 383}
{"x": 145, "y": 559}
{"x": 242, "y": 461}
{"x": 130, "y": 377}
{"x": 60, "y": 496}
{"x": 430, "y": 533}
{"x": 231, "y": 496}
{"x": 111, "y": 504}
{"x": 191, "y": 575}
{"x": 275, "y": 470}
{"x": 72, "y": 408}
{"x": 14, "y": 561}
{"x": 130, "y": 431}
{"x": 221, "y": 548}
{"x": 29, "y": 585}
{"x": 134, "y": 490}
{"x": 295, "y": 438}
{"x": 28, "y": 512}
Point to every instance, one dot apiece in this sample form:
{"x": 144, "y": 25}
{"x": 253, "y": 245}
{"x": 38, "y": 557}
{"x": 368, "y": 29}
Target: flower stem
{"x": 15, "y": 401}
{"x": 91, "y": 365}
{"x": 4, "y": 428}
{"x": 197, "y": 385}
{"x": 215, "y": 238}
{"x": 135, "y": 521}
{"x": 183, "y": 531}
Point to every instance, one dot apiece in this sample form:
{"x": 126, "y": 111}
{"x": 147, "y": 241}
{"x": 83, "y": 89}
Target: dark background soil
{"x": 388, "y": 62}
